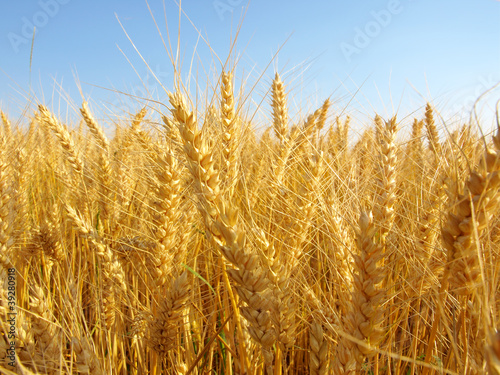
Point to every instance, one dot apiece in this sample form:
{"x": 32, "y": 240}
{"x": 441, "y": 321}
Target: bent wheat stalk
{"x": 221, "y": 221}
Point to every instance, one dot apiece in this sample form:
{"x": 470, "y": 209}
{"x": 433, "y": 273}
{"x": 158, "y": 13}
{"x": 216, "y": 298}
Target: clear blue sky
{"x": 393, "y": 51}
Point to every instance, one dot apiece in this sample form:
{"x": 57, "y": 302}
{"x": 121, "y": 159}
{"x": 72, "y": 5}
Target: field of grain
{"x": 199, "y": 245}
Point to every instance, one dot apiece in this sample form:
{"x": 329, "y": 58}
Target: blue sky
{"x": 369, "y": 56}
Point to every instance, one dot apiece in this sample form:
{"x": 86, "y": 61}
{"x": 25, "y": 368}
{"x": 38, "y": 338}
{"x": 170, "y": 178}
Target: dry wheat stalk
{"x": 283, "y": 314}
{"x": 250, "y": 278}
{"x": 280, "y": 110}
{"x": 138, "y": 119}
{"x": 307, "y": 138}
{"x": 87, "y": 361}
{"x": 123, "y": 181}
{"x": 5, "y": 200}
{"x": 322, "y": 115}
{"x": 46, "y": 333}
{"x": 385, "y": 188}
{"x": 432, "y": 134}
{"x": 45, "y": 239}
{"x": 95, "y": 128}
{"x": 320, "y": 121}
{"x": 337, "y": 153}
{"x": 171, "y": 132}
{"x": 62, "y": 134}
{"x": 415, "y": 146}
{"x": 104, "y": 172}
{"x": 200, "y": 158}
{"x": 19, "y": 191}
{"x": 493, "y": 353}
{"x": 345, "y": 353}
{"x": 230, "y": 134}
{"x": 286, "y": 142}
{"x": 164, "y": 327}
{"x": 341, "y": 241}
{"x": 113, "y": 285}
{"x": 468, "y": 218}
{"x": 361, "y": 153}
{"x": 167, "y": 197}
{"x": 283, "y": 267}
{"x": 306, "y": 206}
{"x": 318, "y": 355}
{"x": 221, "y": 220}
{"x": 338, "y": 136}
{"x": 369, "y": 293}
{"x": 7, "y": 128}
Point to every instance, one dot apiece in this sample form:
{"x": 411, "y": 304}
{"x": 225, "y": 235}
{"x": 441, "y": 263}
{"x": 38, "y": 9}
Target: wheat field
{"x": 199, "y": 245}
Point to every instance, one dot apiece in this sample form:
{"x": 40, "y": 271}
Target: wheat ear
{"x": 230, "y": 133}
{"x": 47, "y": 334}
{"x": 305, "y": 138}
{"x": 415, "y": 146}
{"x": 432, "y": 133}
{"x": 164, "y": 327}
{"x": 95, "y": 128}
{"x": 138, "y": 119}
{"x": 385, "y": 185}
{"x": 366, "y": 316}
{"x": 87, "y": 361}
{"x": 62, "y": 134}
{"x": 318, "y": 354}
{"x": 467, "y": 220}
{"x": 221, "y": 221}
{"x": 114, "y": 287}
{"x": 104, "y": 170}
{"x": 368, "y": 294}
{"x": 166, "y": 186}
{"x": 6, "y": 125}
{"x": 5, "y": 199}
{"x": 280, "y": 110}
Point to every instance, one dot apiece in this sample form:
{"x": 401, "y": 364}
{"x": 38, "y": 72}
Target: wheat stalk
{"x": 62, "y": 134}
{"x": 47, "y": 334}
{"x": 230, "y": 136}
{"x": 221, "y": 220}
{"x": 164, "y": 327}
{"x": 318, "y": 356}
{"x": 280, "y": 110}
{"x": 95, "y": 128}
{"x": 432, "y": 133}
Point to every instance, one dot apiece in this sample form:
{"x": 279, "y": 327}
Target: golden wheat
{"x": 181, "y": 245}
